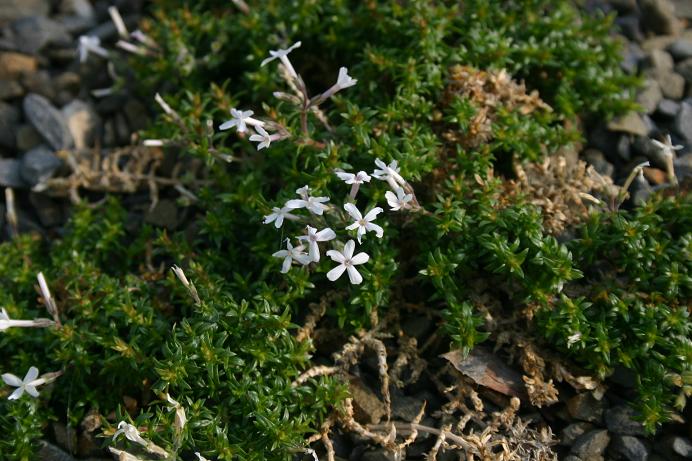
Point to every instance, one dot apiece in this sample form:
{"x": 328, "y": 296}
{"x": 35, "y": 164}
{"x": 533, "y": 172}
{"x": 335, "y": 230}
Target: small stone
{"x": 572, "y": 432}
{"x": 33, "y": 33}
{"x": 585, "y": 407}
{"x": 49, "y": 452}
{"x": 683, "y": 166}
{"x": 629, "y": 27}
{"x": 591, "y": 445}
{"x": 40, "y": 83}
{"x": 658, "y": 16}
{"x": 366, "y": 406}
{"x": 683, "y": 122}
{"x": 9, "y": 173}
{"x": 681, "y": 49}
{"x": 658, "y": 60}
{"x": 27, "y": 138}
{"x": 629, "y": 123}
{"x": 683, "y": 8}
{"x": 684, "y": 68}
{"x": 650, "y": 96}
{"x": 48, "y": 121}
{"x": 81, "y": 8}
{"x": 406, "y": 408}
{"x": 624, "y": 148}
{"x": 38, "y": 164}
{"x": 672, "y": 85}
{"x": 675, "y": 446}
{"x": 655, "y": 176}
{"x": 83, "y": 123}
{"x": 632, "y": 55}
{"x": 10, "y": 89}
{"x": 9, "y": 119}
{"x": 668, "y": 108}
{"x": 595, "y": 158}
{"x": 620, "y": 420}
{"x": 640, "y": 191}
{"x": 13, "y": 65}
{"x": 657, "y": 42}
{"x": 68, "y": 81}
{"x": 628, "y": 448}
{"x": 14, "y": 9}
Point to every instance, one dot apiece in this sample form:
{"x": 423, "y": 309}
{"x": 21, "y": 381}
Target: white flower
{"x": 399, "y": 201}
{"x": 291, "y": 254}
{"x": 200, "y": 457}
{"x": 6, "y": 322}
{"x": 264, "y": 138}
{"x": 389, "y": 173}
{"x": 278, "y": 215}
{"x": 313, "y": 237}
{"x": 283, "y": 57}
{"x": 180, "y": 417}
{"x": 350, "y": 178}
{"x": 364, "y": 223}
{"x": 28, "y": 384}
{"x": 241, "y": 119}
{"x": 344, "y": 80}
{"x": 90, "y": 44}
{"x": 314, "y": 204}
{"x": 575, "y": 338}
{"x": 667, "y": 147}
{"x": 131, "y": 433}
{"x": 347, "y": 262}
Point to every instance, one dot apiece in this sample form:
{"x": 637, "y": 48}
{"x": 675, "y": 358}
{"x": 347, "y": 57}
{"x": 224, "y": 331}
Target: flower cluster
{"x": 241, "y": 119}
{"x": 308, "y": 250}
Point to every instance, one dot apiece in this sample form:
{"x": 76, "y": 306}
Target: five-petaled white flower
{"x": 389, "y": 173}
{"x": 313, "y": 237}
{"x": 314, "y": 204}
{"x": 350, "y": 178}
{"x": 28, "y": 384}
{"x": 347, "y": 262}
{"x": 667, "y": 147}
{"x": 291, "y": 254}
{"x": 283, "y": 56}
{"x": 241, "y": 119}
{"x": 263, "y": 138}
{"x": 131, "y": 433}
{"x": 573, "y": 339}
{"x": 400, "y": 201}
{"x": 344, "y": 80}
{"x": 364, "y": 223}
{"x": 90, "y": 44}
{"x": 278, "y": 215}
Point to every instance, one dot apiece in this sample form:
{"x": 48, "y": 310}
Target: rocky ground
{"x": 59, "y": 113}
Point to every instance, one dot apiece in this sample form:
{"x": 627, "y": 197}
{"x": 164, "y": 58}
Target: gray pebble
{"x": 672, "y": 85}
{"x": 33, "y": 33}
{"x": 681, "y": 49}
{"x": 585, "y": 407}
{"x": 572, "y": 432}
{"x": 668, "y": 108}
{"x": 650, "y": 96}
{"x": 9, "y": 173}
{"x": 38, "y": 164}
{"x": 592, "y": 444}
{"x": 684, "y": 68}
{"x": 48, "y": 121}
{"x": 9, "y": 118}
{"x": 628, "y": 448}
{"x": 658, "y": 16}
{"x": 620, "y": 420}
{"x": 683, "y": 122}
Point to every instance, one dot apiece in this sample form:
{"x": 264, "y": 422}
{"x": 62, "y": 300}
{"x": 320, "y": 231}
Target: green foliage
{"x": 632, "y": 304}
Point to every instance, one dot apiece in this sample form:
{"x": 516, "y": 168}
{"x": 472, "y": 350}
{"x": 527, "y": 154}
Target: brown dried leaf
{"x": 487, "y": 370}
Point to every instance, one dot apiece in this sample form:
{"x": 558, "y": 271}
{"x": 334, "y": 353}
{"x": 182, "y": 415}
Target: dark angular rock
{"x": 379, "y": 454}
{"x": 668, "y": 108}
{"x": 629, "y": 27}
{"x": 623, "y": 148}
{"x": 683, "y": 8}
{"x": 10, "y": 89}
{"x": 48, "y": 121}
{"x": 672, "y": 85}
{"x": 585, "y": 407}
{"x": 658, "y": 16}
{"x": 632, "y": 55}
{"x": 592, "y": 444}
{"x": 649, "y": 96}
{"x": 657, "y": 60}
{"x": 596, "y": 159}
{"x": 15, "y": 9}
{"x": 675, "y": 447}
{"x": 9, "y": 173}
{"x": 683, "y": 166}
{"x": 33, "y": 33}
{"x": 620, "y": 420}
{"x": 27, "y": 137}
{"x": 38, "y": 165}
{"x": 628, "y": 448}
{"x": 41, "y": 83}
{"x": 629, "y": 123}
{"x": 572, "y": 432}
{"x": 9, "y": 120}
{"x": 684, "y": 68}
{"x": 683, "y": 122}
{"x": 681, "y": 49}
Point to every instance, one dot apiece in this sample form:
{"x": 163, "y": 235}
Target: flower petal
{"x": 286, "y": 266}
{"x": 11, "y": 380}
{"x": 31, "y": 375}
{"x": 336, "y": 256}
{"x": 335, "y": 273}
{"x": 360, "y": 258}
{"x": 374, "y": 227}
{"x": 228, "y": 125}
{"x": 296, "y": 203}
{"x": 372, "y": 214}
{"x": 349, "y": 248}
{"x": 325, "y": 234}
{"x": 31, "y": 390}
{"x": 352, "y": 210}
{"x": 354, "y": 276}
{"x": 16, "y": 394}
